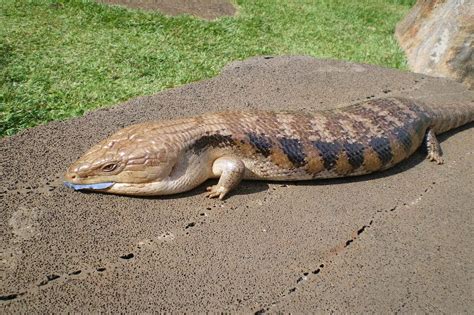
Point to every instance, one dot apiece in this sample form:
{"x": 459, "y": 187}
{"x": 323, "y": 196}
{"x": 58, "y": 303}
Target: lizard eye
{"x": 109, "y": 167}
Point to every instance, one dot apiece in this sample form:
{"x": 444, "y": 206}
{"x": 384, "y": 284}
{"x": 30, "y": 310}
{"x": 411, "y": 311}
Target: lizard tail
{"x": 449, "y": 117}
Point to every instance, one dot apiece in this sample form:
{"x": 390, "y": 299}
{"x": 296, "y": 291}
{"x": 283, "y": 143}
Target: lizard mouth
{"x": 96, "y": 186}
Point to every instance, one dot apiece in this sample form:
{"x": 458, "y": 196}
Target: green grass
{"x": 59, "y": 59}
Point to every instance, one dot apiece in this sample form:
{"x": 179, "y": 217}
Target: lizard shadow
{"x": 255, "y": 187}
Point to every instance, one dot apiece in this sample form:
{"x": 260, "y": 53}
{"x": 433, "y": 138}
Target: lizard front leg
{"x": 231, "y": 171}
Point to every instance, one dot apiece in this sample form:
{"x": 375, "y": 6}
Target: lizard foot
{"x": 216, "y": 191}
{"x": 435, "y": 158}
{"x": 231, "y": 170}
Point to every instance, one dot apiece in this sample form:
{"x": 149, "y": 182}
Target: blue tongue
{"x": 97, "y": 186}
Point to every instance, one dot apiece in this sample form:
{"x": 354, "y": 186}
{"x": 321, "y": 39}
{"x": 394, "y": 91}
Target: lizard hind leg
{"x": 231, "y": 171}
{"x": 434, "y": 149}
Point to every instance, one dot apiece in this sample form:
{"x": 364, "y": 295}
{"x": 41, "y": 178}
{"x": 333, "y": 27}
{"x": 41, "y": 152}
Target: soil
{"x": 398, "y": 241}
{"x": 206, "y": 9}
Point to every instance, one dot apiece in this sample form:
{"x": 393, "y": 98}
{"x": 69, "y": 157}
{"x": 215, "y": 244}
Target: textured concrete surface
{"x": 206, "y": 9}
{"x": 402, "y": 240}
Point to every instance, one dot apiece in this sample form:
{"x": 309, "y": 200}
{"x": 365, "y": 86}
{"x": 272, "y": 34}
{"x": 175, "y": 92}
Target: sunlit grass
{"x": 59, "y": 59}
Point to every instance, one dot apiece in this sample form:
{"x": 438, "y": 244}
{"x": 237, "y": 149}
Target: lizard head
{"x": 127, "y": 163}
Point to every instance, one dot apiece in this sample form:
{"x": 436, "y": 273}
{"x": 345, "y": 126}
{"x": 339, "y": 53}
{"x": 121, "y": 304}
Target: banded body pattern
{"x": 168, "y": 157}
{"x": 354, "y": 140}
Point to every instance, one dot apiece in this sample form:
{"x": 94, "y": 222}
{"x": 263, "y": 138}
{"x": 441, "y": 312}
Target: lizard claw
{"x": 433, "y": 157}
{"x": 216, "y": 191}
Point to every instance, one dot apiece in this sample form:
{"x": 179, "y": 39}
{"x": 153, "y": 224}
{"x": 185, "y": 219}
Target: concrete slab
{"x": 402, "y": 240}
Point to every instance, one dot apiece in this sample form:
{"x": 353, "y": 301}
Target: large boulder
{"x": 437, "y": 36}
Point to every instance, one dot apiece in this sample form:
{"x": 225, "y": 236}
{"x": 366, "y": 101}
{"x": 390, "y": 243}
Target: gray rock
{"x": 437, "y": 36}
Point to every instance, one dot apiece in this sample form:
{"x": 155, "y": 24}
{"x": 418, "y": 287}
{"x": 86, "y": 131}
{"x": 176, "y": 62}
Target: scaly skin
{"x": 160, "y": 158}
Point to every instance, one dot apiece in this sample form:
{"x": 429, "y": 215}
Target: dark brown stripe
{"x": 383, "y": 149}
{"x": 212, "y": 141}
{"x": 329, "y": 152}
{"x": 262, "y": 144}
{"x": 404, "y": 138}
{"x": 294, "y": 150}
{"x": 355, "y": 154}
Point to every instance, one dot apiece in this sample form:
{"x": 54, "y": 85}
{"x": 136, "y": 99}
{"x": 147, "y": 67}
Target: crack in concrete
{"x": 45, "y": 186}
{"x": 386, "y": 92}
{"x": 310, "y": 276}
{"x": 152, "y": 244}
